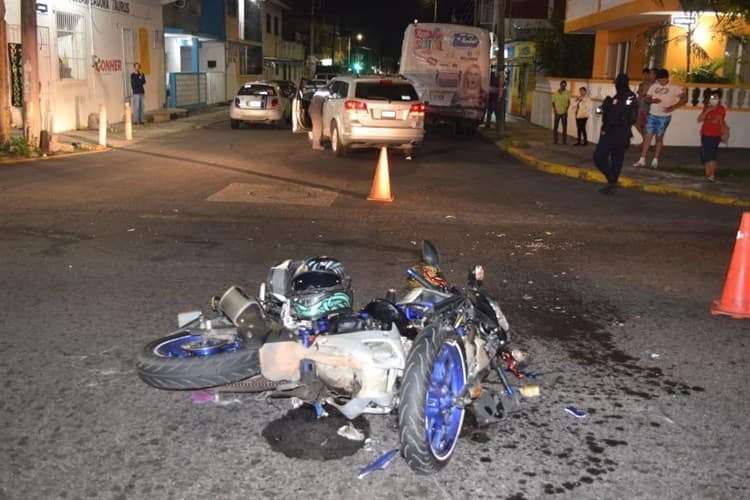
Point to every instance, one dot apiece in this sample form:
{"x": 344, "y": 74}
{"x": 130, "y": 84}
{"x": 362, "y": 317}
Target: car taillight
{"x": 417, "y": 108}
{"x": 236, "y": 101}
{"x": 355, "y": 106}
{"x": 274, "y": 103}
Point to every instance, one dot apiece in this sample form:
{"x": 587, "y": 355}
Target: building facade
{"x": 633, "y": 34}
{"x": 87, "y": 49}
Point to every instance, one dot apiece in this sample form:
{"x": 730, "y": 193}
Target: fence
{"x": 684, "y": 127}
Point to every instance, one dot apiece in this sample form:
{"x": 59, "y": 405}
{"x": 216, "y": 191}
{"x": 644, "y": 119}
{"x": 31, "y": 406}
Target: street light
{"x": 359, "y": 37}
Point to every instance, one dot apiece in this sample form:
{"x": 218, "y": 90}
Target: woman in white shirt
{"x": 582, "y": 110}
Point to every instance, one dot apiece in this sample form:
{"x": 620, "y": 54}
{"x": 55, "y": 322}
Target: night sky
{"x": 382, "y": 22}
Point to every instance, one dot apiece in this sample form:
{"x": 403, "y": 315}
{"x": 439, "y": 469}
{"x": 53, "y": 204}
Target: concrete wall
{"x": 66, "y": 103}
{"x": 684, "y": 130}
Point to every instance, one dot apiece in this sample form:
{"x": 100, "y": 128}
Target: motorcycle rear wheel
{"x": 429, "y": 421}
{"x": 166, "y": 363}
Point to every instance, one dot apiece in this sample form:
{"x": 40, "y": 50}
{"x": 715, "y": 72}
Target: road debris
{"x": 379, "y": 463}
{"x": 350, "y": 432}
{"x": 575, "y": 411}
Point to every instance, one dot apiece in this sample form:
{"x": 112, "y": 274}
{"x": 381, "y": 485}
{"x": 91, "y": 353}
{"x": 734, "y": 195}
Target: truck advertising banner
{"x": 449, "y": 65}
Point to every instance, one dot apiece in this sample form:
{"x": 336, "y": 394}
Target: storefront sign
{"x": 113, "y": 5}
{"x": 107, "y": 65}
{"x": 16, "y": 74}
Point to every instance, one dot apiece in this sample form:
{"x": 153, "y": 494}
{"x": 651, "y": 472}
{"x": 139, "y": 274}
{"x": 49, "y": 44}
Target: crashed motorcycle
{"x": 425, "y": 355}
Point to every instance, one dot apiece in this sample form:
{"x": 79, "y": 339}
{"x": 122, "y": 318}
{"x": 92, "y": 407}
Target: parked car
{"x": 367, "y": 112}
{"x": 288, "y": 88}
{"x": 260, "y": 102}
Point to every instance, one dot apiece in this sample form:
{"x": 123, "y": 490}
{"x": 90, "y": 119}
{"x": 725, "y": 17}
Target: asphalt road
{"x": 610, "y": 295}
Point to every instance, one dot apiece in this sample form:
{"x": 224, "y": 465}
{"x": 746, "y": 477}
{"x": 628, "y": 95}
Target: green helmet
{"x": 322, "y": 287}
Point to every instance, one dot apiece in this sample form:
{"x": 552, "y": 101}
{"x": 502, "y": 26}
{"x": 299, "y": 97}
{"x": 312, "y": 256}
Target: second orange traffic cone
{"x": 735, "y": 299}
{"x": 381, "y": 184}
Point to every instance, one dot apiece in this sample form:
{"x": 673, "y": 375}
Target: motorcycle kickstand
{"x": 506, "y": 386}
{"x": 509, "y": 400}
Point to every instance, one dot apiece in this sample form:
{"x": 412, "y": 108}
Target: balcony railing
{"x": 683, "y": 129}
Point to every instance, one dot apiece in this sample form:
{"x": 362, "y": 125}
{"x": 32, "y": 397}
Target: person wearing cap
{"x": 619, "y": 114}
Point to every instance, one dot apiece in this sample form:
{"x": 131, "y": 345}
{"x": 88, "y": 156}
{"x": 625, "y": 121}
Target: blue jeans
{"x": 137, "y": 107}
{"x": 563, "y": 118}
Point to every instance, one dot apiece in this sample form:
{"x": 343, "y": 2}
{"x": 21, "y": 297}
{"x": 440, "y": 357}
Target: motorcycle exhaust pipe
{"x": 237, "y": 306}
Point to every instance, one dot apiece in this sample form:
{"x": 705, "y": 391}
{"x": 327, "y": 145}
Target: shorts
{"x": 657, "y": 125}
{"x": 709, "y": 148}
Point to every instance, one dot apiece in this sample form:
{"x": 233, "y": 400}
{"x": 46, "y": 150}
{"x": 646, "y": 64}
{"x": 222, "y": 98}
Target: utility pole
{"x": 499, "y": 18}
{"x": 312, "y": 28}
{"x": 4, "y": 86}
{"x": 32, "y": 112}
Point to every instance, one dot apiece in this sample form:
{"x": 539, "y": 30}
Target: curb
{"x": 596, "y": 176}
{"x": 57, "y": 156}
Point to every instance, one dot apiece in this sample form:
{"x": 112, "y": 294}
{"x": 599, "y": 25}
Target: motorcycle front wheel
{"x": 184, "y": 360}
{"x": 429, "y": 421}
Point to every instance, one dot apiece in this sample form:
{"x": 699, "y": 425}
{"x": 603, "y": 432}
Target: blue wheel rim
{"x": 443, "y": 419}
{"x": 192, "y": 345}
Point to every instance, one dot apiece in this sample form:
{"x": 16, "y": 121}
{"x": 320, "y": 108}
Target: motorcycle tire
{"x": 182, "y": 370}
{"x": 429, "y": 422}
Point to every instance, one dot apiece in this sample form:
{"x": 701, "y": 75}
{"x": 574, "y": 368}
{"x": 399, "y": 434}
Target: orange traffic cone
{"x": 381, "y": 184}
{"x": 735, "y": 299}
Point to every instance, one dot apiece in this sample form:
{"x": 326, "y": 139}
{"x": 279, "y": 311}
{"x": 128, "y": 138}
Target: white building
{"x": 87, "y": 49}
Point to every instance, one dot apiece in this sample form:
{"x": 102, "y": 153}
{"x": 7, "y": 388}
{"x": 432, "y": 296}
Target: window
{"x": 268, "y": 23}
{"x": 617, "y": 58}
{"x": 737, "y": 61}
{"x": 71, "y": 46}
{"x": 275, "y": 25}
{"x": 339, "y": 89}
{"x": 250, "y": 89}
{"x": 250, "y": 22}
{"x": 386, "y": 91}
{"x": 251, "y": 60}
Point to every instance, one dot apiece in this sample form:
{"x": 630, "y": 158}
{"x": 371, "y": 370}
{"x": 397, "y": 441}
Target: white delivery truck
{"x": 449, "y": 65}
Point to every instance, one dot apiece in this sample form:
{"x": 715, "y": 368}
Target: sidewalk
{"x": 89, "y": 139}
{"x": 680, "y": 171}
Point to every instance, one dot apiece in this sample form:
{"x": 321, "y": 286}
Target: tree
{"x": 559, "y": 54}
{"x": 729, "y": 16}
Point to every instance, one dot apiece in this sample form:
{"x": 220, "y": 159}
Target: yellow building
{"x": 627, "y": 42}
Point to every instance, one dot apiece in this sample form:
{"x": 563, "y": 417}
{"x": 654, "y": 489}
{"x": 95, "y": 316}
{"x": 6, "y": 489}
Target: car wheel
{"x": 338, "y": 148}
{"x": 235, "y": 124}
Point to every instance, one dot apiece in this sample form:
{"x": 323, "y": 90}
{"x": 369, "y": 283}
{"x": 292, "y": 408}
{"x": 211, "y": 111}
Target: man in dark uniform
{"x": 619, "y": 113}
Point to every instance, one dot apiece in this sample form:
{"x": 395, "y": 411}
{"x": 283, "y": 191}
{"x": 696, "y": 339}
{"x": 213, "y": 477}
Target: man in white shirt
{"x": 664, "y": 98}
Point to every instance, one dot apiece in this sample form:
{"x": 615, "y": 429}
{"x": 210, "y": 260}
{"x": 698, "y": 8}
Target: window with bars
{"x": 71, "y": 46}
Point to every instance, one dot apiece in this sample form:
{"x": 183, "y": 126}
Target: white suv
{"x": 372, "y": 112}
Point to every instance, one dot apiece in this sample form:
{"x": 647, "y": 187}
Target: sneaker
{"x": 710, "y": 178}
{"x": 655, "y": 163}
{"x": 640, "y": 163}
{"x": 608, "y": 189}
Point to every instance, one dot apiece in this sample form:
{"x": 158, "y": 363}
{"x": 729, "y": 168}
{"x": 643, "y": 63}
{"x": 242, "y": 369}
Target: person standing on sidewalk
{"x": 649, "y": 76}
{"x": 664, "y": 97}
{"x": 560, "y": 105}
{"x": 582, "y": 110}
{"x": 492, "y": 102}
{"x": 619, "y": 113}
{"x": 712, "y": 118}
{"x": 137, "y": 81}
